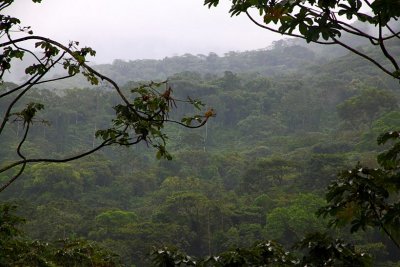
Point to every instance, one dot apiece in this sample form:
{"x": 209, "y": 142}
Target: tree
{"x": 329, "y": 23}
{"x": 366, "y": 106}
{"x": 139, "y": 117}
{"x": 364, "y": 196}
{"x": 18, "y": 250}
{"x": 293, "y": 222}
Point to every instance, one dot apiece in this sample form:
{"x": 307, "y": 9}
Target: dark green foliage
{"x": 169, "y": 257}
{"x": 366, "y": 106}
{"x": 366, "y": 196}
{"x": 18, "y": 250}
{"x": 323, "y": 250}
{"x": 266, "y": 253}
{"x": 320, "y": 250}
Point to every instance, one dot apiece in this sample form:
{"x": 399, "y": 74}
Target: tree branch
{"x": 19, "y": 87}
{"x": 394, "y": 34}
{"x": 41, "y": 160}
{"x": 383, "y": 48}
{"x": 276, "y": 31}
{"x": 364, "y": 56}
{"x": 9, "y": 182}
{"x": 4, "y": 5}
{"x": 382, "y": 225}
{"x": 8, "y": 111}
{"x": 23, "y": 49}
{"x": 57, "y": 79}
{"x": 188, "y": 126}
{"x": 21, "y": 143}
{"x": 358, "y": 32}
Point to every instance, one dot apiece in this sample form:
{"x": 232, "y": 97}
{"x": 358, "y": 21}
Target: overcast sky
{"x": 142, "y": 29}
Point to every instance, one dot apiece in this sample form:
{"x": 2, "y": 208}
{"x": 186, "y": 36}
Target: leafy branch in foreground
{"x": 140, "y": 116}
{"x": 369, "y": 197}
{"x": 324, "y": 22}
{"x": 318, "y": 250}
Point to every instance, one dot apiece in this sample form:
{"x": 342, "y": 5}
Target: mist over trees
{"x": 292, "y": 150}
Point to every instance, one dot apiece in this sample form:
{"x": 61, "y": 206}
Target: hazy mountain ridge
{"x": 281, "y": 58}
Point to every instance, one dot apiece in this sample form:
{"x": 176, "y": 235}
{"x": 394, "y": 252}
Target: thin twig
{"x": 364, "y": 56}
{"x": 383, "y": 48}
{"x": 15, "y": 177}
{"x": 23, "y": 49}
{"x": 8, "y": 111}
{"x": 90, "y": 69}
{"x": 22, "y": 142}
{"x": 19, "y": 87}
{"x": 382, "y": 225}
{"x": 188, "y": 126}
{"x": 42, "y": 160}
{"x": 289, "y": 34}
{"x": 57, "y": 79}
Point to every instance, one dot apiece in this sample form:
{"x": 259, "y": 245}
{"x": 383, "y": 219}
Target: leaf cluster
{"x": 368, "y": 197}
{"x": 320, "y": 250}
{"x": 143, "y": 118}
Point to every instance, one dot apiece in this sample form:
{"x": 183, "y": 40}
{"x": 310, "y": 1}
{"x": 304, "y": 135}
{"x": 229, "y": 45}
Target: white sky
{"x": 138, "y": 29}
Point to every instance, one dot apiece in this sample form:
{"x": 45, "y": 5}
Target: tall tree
{"x": 366, "y": 106}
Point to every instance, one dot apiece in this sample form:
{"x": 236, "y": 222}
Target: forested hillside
{"x": 288, "y": 120}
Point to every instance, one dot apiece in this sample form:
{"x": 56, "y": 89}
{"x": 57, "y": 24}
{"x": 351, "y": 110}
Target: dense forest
{"x": 288, "y": 121}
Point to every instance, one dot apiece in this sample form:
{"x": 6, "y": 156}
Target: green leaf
{"x": 303, "y": 28}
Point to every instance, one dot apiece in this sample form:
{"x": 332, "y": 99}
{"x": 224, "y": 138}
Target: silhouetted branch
{"x": 288, "y": 34}
{"x": 57, "y": 79}
{"x": 383, "y": 48}
{"x": 8, "y": 111}
{"x": 15, "y": 177}
{"x": 43, "y": 160}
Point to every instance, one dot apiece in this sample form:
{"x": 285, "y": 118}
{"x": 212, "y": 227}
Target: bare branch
{"x": 8, "y": 111}
{"x": 15, "y": 177}
{"x": 57, "y": 79}
{"x": 3, "y": 5}
{"x": 382, "y": 225}
{"x": 364, "y": 56}
{"x": 19, "y": 87}
{"x": 383, "y": 48}
{"x": 8, "y": 183}
{"x": 288, "y": 34}
{"x": 22, "y": 142}
{"x": 394, "y": 34}
{"x": 189, "y": 126}
{"x": 41, "y": 160}
{"x": 355, "y": 31}
{"x": 23, "y": 49}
